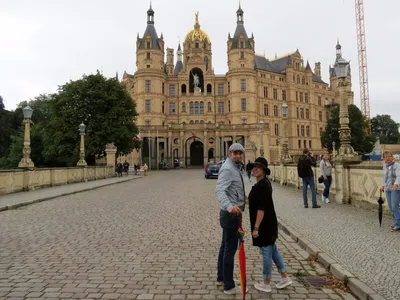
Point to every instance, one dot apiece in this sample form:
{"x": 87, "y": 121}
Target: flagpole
{"x": 158, "y": 164}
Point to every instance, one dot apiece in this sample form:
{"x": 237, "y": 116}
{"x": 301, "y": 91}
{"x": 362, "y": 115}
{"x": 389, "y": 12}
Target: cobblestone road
{"x": 151, "y": 238}
{"x": 350, "y": 235}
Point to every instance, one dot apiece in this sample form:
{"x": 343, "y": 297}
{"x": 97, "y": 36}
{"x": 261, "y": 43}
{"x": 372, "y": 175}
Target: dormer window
{"x": 147, "y": 55}
{"x": 148, "y": 45}
{"x": 197, "y": 45}
{"x": 241, "y": 44}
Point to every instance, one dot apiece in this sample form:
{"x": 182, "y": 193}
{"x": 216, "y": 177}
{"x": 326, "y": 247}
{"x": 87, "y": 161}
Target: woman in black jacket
{"x": 264, "y": 226}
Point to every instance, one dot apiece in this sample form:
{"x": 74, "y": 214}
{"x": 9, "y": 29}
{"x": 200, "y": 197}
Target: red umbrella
{"x": 242, "y": 260}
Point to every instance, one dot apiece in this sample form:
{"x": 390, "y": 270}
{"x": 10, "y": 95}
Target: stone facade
{"x": 189, "y": 113}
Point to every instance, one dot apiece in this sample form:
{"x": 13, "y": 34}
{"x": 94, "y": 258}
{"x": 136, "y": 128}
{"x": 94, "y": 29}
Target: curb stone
{"x": 18, "y": 205}
{"x": 357, "y": 287}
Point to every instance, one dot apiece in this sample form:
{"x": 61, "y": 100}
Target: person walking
{"x": 145, "y": 168}
{"x": 249, "y": 167}
{"x": 264, "y": 227}
{"x": 325, "y": 168}
{"x": 230, "y": 194}
{"x": 126, "y": 167}
{"x": 390, "y": 185}
{"x": 304, "y": 170}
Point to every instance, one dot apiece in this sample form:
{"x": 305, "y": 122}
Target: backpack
{"x": 301, "y": 168}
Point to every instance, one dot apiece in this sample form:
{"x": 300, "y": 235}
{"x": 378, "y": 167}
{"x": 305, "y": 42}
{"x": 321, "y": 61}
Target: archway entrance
{"x": 196, "y": 153}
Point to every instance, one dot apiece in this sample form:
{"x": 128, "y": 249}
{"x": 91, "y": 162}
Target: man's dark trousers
{"x": 230, "y": 224}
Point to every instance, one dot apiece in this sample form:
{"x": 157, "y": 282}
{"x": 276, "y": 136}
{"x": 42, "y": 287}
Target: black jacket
{"x": 249, "y": 167}
{"x": 260, "y": 198}
{"x": 306, "y": 163}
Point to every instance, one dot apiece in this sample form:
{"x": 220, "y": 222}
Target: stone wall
{"x": 12, "y": 181}
{"x": 353, "y": 184}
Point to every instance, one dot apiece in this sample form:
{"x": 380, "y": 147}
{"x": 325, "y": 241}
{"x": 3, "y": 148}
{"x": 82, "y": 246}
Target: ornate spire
{"x": 197, "y": 23}
{"x": 150, "y": 15}
{"x": 338, "y": 48}
{"x": 239, "y": 14}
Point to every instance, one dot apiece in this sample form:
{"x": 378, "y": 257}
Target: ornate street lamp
{"x": 82, "y": 162}
{"x": 261, "y": 126}
{"x": 346, "y": 151}
{"x": 26, "y": 161}
{"x": 285, "y": 158}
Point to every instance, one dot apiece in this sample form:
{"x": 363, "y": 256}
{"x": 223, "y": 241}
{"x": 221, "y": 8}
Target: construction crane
{"x": 362, "y": 59}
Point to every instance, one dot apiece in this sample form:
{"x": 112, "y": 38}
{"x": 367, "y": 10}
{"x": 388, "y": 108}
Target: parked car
{"x": 212, "y": 170}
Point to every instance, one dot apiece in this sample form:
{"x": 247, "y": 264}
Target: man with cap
{"x": 231, "y": 196}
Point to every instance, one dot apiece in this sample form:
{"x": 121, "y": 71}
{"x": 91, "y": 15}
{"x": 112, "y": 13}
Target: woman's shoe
{"x": 284, "y": 283}
{"x": 263, "y": 287}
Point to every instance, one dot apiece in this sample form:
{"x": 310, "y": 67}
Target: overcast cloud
{"x": 45, "y": 43}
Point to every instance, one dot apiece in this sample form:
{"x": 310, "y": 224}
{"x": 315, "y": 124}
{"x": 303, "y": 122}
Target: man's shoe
{"x": 284, "y": 283}
{"x": 306, "y": 206}
{"x": 236, "y": 281}
{"x": 263, "y": 287}
{"x": 316, "y": 206}
{"x": 235, "y": 290}
{"x": 395, "y": 228}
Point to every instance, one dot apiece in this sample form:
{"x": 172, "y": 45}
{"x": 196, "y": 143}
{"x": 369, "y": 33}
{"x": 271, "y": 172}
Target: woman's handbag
{"x": 321, "y": 179}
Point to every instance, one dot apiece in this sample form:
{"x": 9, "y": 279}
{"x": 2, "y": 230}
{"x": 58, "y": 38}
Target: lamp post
{"x": 82, "y": 162}
{"x": 182, "y": 154}
{"x": 261, "y": 126}
{"x": 285, "y": 158}
{"x": 333, "y": 150}
{"x": 346, "y": 151}
{"x": 26, "y": 161}
{"x": 149, "y": 137}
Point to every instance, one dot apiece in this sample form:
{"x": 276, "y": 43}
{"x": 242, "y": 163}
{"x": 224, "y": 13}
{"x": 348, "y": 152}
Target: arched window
{"x": 298, "y": 79}
{"x": 162, "y": 107}
{"x": 302, "y": 130}
{"x": 201, "y": 122}
{"x": 183, "y": 107}
{"x": 191, "y": 108}
{"x": 191, "y": 122}
{"x": 206, "y": 61}
{"x": 307, "y": 114}
{"x": 196, "y": 122}
{"x": 209, "y": 107}
{"x": 197, "y": 44}
{"x": 209, "y": 89}
{"x": 196, "y": 108}
{"x": 183, "y": 89}
{"x": 302, "y": 113}
{"x": 303, "y": 80}
{"x": 308, "y": 131}
{"x": 298, "y": 130}
{"x": 201, "y": 107}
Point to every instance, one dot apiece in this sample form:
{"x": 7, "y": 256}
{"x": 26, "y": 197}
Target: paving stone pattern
{"x": 350, "y": 235}
{"x": 152, "y": 238}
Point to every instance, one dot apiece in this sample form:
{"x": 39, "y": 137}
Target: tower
{"x": 150, "y": 77}
{"x": 198, "y": 58}
{"x": 241, "y": 76}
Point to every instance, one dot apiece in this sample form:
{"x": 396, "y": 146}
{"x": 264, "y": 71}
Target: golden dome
{"x": 197, "y": 34}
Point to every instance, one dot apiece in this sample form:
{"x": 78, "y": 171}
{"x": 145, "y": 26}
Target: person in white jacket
{"x": 325, "y": 169}
{"x": 390, "y": 185}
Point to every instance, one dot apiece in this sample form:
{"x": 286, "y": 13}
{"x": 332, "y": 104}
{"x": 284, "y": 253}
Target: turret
{"x": 317, "y": 69}
{"x": 150, "y": 48}
{"x": 170, "y": 61}
{"x": 240, "y": 46}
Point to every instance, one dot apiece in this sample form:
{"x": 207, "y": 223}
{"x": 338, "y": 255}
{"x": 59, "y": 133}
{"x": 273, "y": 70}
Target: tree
{"x": 103, "y": 105}
{"x": 360, "y": 140}
{"x": 6, "y": 129}
{"x": 384, "y": 127}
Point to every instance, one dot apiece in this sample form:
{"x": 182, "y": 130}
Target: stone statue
{"x": 196, "y": 80}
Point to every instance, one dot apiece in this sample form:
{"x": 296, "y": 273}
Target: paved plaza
{"x": 156, "y": 237}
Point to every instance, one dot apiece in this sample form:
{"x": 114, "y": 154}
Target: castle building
{"x": 189, "y": 113}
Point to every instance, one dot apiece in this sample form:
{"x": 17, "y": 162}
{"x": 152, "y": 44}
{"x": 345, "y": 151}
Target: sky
{"x": 46, "y": 43}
